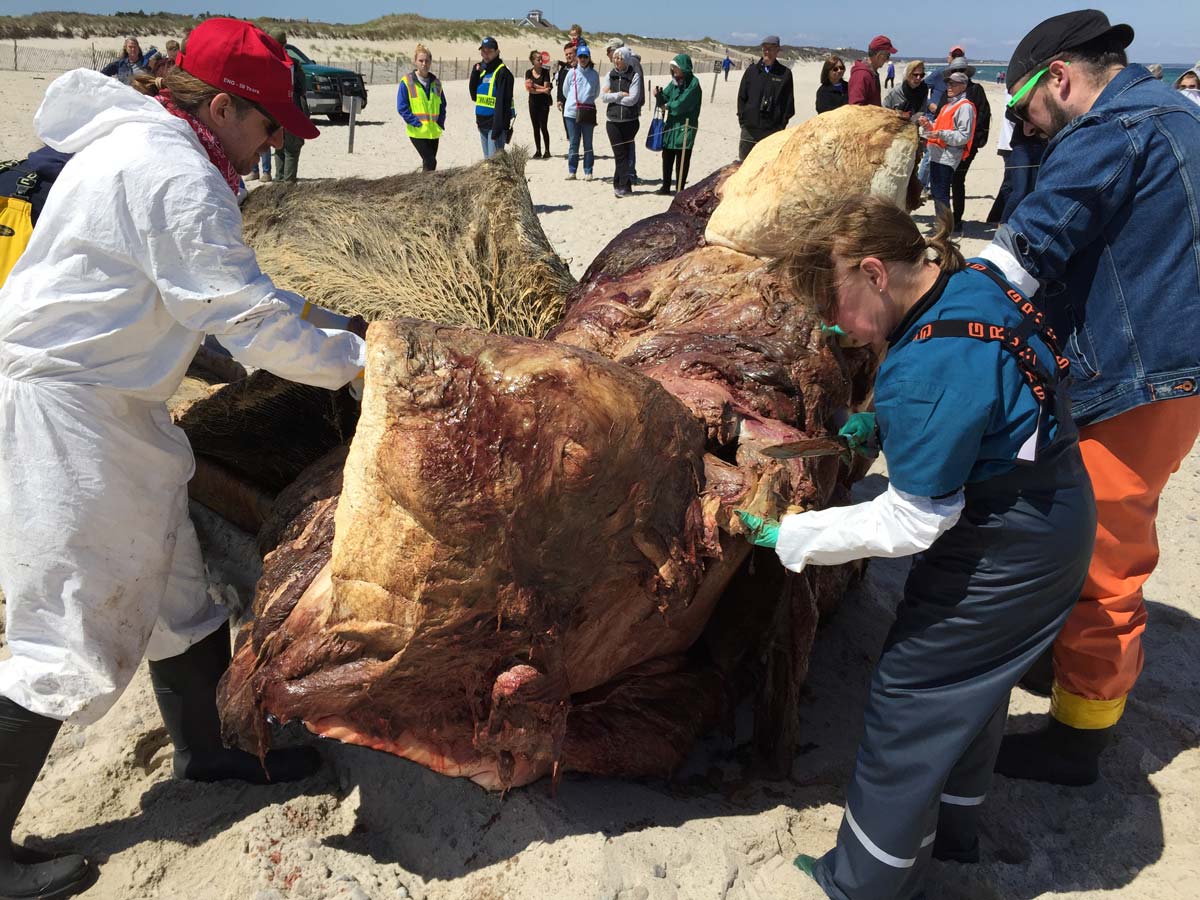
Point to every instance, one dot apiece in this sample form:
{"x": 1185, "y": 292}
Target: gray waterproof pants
{"x": 979, "y": 607}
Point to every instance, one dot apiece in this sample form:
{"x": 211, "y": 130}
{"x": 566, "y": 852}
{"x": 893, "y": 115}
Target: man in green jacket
{"x": 681, "y": 98}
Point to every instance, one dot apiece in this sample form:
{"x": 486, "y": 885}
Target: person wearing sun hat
{"x": 138, "y": 255}
{"x": 864, "y": 75}
{"x": 1120, "y": 291}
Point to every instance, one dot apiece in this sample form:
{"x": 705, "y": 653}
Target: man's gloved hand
{"x": 355, "y": 386}
{"x": 859, "y": 432}
{"x": 763, "y": 532}
{"x": 357, "y": 325}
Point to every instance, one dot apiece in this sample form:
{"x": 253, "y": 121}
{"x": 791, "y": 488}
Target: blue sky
{"x": 1168, "y": 31}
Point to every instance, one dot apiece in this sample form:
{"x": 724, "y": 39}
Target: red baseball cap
{"x": 241, "y": 59}
{"x": 882, "y": 42}
{"x": 957, "y": 50}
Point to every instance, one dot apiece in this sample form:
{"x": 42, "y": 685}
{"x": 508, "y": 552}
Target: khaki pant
{"x": 287, "y": 157}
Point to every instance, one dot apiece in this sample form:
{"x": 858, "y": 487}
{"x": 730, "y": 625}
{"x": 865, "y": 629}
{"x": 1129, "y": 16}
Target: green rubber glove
{"x": 832, "y": 329}
{"x": 763, "y": 532}
{"x": 859, "y": 432}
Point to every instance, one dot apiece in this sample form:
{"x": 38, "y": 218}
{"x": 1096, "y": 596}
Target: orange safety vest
{"x": 945, "y": 122}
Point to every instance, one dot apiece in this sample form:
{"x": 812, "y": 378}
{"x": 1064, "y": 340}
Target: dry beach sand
{"x": 371, "y": 826}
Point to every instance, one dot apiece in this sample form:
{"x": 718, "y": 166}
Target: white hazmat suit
{"x": 137, "y": 255}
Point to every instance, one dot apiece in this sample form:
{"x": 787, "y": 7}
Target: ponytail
{"x": 945, "y": 250}
{"x": 854, "y": 229}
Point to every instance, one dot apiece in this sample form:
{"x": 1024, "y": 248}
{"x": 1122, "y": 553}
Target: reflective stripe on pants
{"x": 979, "y": 607}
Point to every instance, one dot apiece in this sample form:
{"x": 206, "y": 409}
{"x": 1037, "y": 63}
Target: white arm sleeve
{"x": 1010, "y": 268}
{"x": 893, "y": 524}
{"x": 210, "y": 281}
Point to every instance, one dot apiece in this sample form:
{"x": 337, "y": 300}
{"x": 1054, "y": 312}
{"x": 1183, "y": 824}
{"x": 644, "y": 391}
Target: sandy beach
{"x": 373, "y": 826}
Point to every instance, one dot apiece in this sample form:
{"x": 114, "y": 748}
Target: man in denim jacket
{"x": 1111, "y": 237}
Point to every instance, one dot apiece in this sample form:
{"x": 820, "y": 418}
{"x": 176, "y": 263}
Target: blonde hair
{"x": 912, "y": 64}
{"x": 421, "y": 48}
{"x": 853, "y": 230}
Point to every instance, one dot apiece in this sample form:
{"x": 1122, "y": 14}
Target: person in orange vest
{"x": 421, "y": 103}
{"x": 950, "y": 137}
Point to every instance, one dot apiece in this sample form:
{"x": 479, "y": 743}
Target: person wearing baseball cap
{"x": 1119, "y": 163}
{"x": 491, "y": 88}
{"x": 138, "y": 255}
{"x": 864, "y": 74}
{"x": 766, "y": 97}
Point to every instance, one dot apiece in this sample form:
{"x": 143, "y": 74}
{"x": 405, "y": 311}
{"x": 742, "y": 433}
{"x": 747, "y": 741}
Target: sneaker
{"x": 665, "y": 191}
{"x": 266, "y": 178}
{"x": 619, "y": 194}
{"x": 253, "y": 176}
{"x": 588, "y": 176}
{"x": 570, "y": 176}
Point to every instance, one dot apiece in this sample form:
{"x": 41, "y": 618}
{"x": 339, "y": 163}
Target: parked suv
{"x": 325, "y": 86}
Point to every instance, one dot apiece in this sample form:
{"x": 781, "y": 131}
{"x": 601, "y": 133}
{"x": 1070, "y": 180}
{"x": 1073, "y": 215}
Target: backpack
{"x": 16, "y": 219}
{"x": 24, "y": 185}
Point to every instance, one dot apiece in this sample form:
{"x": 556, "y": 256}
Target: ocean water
{"x": 988, "y": 73}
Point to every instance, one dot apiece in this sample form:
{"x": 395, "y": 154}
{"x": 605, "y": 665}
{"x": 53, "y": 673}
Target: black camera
{"x": 764, "y": 105}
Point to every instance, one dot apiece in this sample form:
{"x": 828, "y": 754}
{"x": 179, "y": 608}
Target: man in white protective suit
{"x": 137, "y": 255}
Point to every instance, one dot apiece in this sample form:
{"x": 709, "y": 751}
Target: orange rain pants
{"x": 1098, "y": 654}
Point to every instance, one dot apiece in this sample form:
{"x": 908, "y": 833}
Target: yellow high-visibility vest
{"x": 427, "y": 108}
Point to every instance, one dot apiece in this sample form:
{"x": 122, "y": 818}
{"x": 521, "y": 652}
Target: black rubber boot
{"x": 25, "y": 741}
{"x": 948, "y": 848}
{"x": 1039, "y": 679}
{"x": 185, "y": 687}
{"x": 1058, "y": 754}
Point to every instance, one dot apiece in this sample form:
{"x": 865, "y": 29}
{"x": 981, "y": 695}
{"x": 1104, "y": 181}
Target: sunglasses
{"x": 1021, "y": 112}
{"x": 273, "y": 127}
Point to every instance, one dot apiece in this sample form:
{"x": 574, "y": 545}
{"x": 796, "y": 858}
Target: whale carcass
{"x": 526, "y": 560}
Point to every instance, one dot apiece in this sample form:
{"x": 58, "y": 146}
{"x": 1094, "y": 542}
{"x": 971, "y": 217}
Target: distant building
{"x": 535, "y": 19}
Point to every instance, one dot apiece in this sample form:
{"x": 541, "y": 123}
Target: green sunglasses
{"x": 1029, "y": 86}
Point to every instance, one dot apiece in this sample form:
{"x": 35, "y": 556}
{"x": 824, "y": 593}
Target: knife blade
{"x": 806, "y": 448}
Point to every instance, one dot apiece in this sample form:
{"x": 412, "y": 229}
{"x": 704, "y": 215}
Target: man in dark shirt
{"x": 765, "y": 98}
{"x": 287, "y": 157}
{"x": 560, "y": 77}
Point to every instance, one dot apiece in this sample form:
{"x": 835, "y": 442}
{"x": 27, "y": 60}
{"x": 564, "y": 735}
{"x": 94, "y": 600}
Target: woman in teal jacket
{"x": 681, "y": 98}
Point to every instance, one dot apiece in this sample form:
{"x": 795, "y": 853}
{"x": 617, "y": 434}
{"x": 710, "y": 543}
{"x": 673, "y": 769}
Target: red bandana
{"x": 216, "y": 153}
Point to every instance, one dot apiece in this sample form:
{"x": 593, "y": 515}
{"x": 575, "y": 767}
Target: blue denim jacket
{"x": 1112, "y": 234}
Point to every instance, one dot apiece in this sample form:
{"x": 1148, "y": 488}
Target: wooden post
{"x": 397, "y": 70}
{"x": 354, "y": 102}
{"x": 14, "y": 54}
{"x": 713, "y": 95}
{"x": 682, "y": 152}
{"x": 93, "y": 56}
{"x": 373, "y": 72}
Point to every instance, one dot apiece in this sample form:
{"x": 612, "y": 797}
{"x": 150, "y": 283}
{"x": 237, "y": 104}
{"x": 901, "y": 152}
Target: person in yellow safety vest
{"x": 421, "y": 103}
{"x": 491, "y": 88}
{"x": 949, "y": 138}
